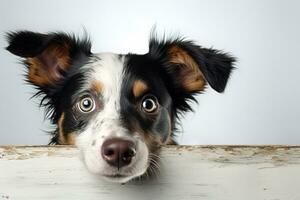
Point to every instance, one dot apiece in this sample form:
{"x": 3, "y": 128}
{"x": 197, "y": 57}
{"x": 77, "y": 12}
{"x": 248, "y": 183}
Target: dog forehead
{"x": 106, "y": 69}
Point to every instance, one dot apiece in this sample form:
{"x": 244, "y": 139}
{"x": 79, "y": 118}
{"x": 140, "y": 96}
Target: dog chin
{"x": 119, "y": 178}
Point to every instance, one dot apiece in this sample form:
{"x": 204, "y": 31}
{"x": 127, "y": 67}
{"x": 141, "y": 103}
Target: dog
{"x": 119, "y": 109}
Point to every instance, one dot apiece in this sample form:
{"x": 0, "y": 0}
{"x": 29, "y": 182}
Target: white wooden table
{"x": 188, "y": 172}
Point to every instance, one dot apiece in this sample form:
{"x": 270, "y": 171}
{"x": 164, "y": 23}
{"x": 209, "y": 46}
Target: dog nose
{"x": 118, "y": 152}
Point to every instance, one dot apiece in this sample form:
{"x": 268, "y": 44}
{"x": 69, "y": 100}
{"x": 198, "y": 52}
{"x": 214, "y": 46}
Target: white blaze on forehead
{"x": 108, "y": 69}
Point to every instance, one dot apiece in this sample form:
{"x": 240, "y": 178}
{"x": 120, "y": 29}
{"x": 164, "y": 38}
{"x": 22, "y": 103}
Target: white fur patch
{"x": 108, "y": 69}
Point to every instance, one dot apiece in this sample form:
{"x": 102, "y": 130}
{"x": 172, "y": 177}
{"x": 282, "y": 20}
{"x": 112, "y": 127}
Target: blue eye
{"x": 149, "y": 104}
{"x": 86, "y": 104}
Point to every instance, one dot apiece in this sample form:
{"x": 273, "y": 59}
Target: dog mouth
{"x": 124, "y": 175}
{"x": 118, "y": 177}
{"x": 115, "y": 176}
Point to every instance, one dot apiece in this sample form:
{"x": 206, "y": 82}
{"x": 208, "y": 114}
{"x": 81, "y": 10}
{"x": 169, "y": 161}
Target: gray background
{"x": 260, "y": 104}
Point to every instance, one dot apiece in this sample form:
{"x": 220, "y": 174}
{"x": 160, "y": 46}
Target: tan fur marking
{"x": 41, "y": 74}
{"x": 64, "y": 139}
{"x": 61, "y": 135}
{"x": 139, "y": 87}
{"x": 191, "y": 77}
{"x": 152, "y": 141}
{"x": 70, "y": 138}
{"x": 169, "y": 139}
{"x": 97, "y": 86}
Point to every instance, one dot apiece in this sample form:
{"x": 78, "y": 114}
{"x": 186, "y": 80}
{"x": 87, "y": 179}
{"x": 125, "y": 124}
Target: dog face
{"x": 118, "y": 109}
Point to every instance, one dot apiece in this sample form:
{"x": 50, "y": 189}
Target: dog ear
{"x": 192, "y": 66}
{"x": 47, "y": 56}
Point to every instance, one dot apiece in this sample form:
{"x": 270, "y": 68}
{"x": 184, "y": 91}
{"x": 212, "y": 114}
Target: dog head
{"x": 118, "y": 109}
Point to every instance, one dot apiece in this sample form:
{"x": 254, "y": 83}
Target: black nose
{"x": 118, "y": 152}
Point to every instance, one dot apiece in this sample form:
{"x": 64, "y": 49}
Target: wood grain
{"x": 188, "y": 172}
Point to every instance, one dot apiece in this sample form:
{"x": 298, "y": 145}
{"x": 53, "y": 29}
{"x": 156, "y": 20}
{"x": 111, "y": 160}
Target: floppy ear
{"x": 193, "y": 66}
{"x": 47, "y": 56}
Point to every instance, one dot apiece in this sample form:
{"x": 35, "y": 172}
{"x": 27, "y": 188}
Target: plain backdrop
{"x": 260, "y": 104}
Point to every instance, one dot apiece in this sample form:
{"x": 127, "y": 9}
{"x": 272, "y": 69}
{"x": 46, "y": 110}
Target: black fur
{"x": 154, "y": 68}
{"x": 55, "y": 98}
{"x": 151, "y": 73}
{"x": 29, "y": 44}
{"x": 215, "y": 65}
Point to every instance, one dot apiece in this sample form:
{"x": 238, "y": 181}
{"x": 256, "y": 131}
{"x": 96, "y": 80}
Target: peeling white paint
{"x": 189, "y": 172}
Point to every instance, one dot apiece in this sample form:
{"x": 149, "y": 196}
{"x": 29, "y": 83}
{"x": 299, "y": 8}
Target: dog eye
{"x": 86, "y": 104}
{"x": 149, "y": 104}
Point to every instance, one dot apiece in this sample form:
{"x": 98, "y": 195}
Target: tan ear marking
{"x": 191, "y": 77}
{"x": 45, "y": 69}
{"x": 139, "y": 87}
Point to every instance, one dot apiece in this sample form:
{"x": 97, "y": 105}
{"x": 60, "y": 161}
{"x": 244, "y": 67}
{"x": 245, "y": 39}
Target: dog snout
{"x": 118, "y": 152}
